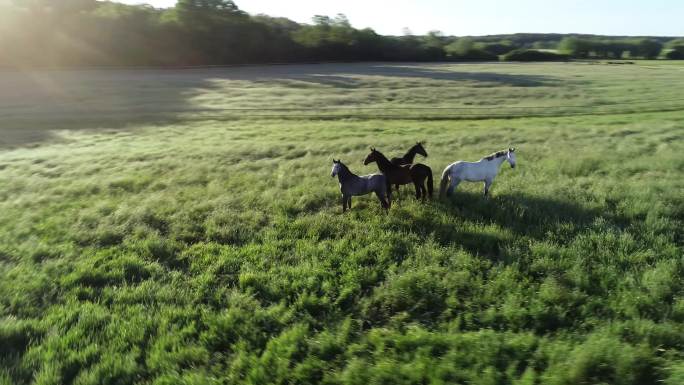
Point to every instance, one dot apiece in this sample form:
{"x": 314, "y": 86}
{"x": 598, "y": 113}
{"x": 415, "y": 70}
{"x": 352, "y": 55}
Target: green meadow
{"x": 182, "y": 227}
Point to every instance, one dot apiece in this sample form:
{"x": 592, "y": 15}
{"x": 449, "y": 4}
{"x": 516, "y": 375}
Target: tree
{"x": 465, "y": 49}
{"x": 648, "y": 48}
{"x": 434, "y": 39}
{"x": 496, "y": 48}
{"x": 331, "y": 39}
{"x": 527, "y": 55}
{"x": 341, "y": 20}
{"x": 280, "y": 25}
{"x": 204, "y": 14}
{"x": 677, "y": 53}
{"x": 675, "y": 43}
{"x": 216, "y": 32}
{"x": 224, "y": 6}
{"x": 460, "y": 46}
{"x": 616, "y": 49}
{"x": 575, "y": 47}
{"x": 199, "y": 32}
{"x": 322, "y": 20}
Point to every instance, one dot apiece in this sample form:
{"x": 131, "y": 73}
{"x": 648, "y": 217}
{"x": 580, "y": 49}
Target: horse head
{"x": 420, "y": 149}
{"x": 510, "y": 157}
{"x": 370, "y": 158}
{"x": 337, "y": 165}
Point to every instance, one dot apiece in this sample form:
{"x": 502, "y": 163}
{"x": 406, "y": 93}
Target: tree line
{"x": 611, "y": 48}
{"x": 215, "y": 32}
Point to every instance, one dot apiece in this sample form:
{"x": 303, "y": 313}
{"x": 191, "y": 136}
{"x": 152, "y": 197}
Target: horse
{"x": 405, "y": 174}
{"x": 354, "y": 185}
{"x": 410, "y": 155}
{"x": 483, "y": 170}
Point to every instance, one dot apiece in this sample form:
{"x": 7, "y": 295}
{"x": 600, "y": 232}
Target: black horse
{"x": 417, "y": 174}
{"x": 409, "y": 156}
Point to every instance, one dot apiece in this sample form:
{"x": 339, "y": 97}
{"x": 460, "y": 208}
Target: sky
{"x": 483, "y": 17}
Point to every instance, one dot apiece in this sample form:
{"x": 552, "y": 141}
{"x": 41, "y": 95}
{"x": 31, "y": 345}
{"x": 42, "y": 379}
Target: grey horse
{"x": 354, "y": 185}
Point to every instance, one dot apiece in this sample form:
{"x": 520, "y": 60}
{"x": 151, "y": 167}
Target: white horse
{"x": 483, "y": 170}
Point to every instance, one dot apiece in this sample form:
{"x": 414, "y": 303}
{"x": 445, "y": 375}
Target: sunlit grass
{"x": 215, "y": 251}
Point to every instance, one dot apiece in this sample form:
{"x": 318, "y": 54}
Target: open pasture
{"x": 157, "y": 228}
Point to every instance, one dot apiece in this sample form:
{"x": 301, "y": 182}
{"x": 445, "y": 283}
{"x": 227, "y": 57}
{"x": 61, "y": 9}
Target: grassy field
{"x": 157, "y": 228}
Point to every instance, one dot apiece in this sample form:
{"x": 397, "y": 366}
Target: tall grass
{"x": 215, "y": 251}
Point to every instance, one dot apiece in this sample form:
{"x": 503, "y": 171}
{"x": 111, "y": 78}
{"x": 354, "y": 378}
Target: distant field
{"x": 181, "y": 226}
{"x": 31, "y": 103}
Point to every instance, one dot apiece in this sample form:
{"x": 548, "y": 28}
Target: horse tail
{"x": 430, "y": 184}
{"x": 444, "y": 182}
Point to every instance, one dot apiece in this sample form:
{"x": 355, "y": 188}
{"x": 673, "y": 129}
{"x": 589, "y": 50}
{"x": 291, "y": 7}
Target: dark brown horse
{"x": 410, "y": 156}
{"x": 417, "y": 149}
{"x": 405, "y": 174}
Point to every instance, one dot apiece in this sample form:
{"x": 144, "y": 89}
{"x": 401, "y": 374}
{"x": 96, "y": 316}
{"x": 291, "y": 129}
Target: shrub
{"x": 533, "y": 55}
{"x": 677, "y": 53}
{"x": 473, "y": 55}
{"x": 465, "y": 49}
{"x": 496, "y": 48}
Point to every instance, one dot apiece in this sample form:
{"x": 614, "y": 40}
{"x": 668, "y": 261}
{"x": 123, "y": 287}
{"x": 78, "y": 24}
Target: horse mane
{"x": 412, "y": 151}
{"x": 383, "y": 158}
{"x": 495, "y": 155}
{"x": 345, "y": 169}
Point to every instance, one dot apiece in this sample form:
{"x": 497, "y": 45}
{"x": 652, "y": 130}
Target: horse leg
{"x": 344, "y": 203}
{"x": 452, "y": 186}
{"x": 349, "y": 202}
{"x": 381, "y": 198}
{"x": 487, "y": 185}
{"x": 389, "y": 194}
{"x": 423, "y": 189}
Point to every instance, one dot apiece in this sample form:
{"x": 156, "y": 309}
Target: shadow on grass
{"x": 525, "y": 214}
{"x": 521, "y": 214}
{"x": 35, "y": 105}
{"x": 342, "y": 75}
